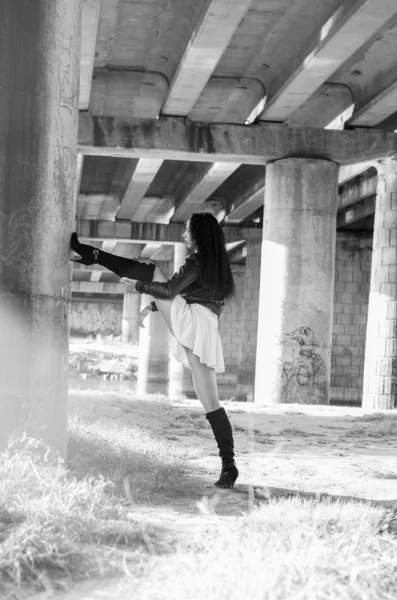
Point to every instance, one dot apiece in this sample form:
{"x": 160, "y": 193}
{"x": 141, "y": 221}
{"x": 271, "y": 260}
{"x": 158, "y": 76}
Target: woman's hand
{"x": 141, "y": 316}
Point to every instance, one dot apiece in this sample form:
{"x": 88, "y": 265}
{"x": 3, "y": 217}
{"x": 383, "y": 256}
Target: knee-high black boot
{"x": 223, "y": 434}
{"x": 123, "y": 267}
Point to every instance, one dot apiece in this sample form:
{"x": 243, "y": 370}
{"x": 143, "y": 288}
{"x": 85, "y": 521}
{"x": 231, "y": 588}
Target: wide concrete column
{"x": 129, "y": 325}
{"x": 250, "y": 304}
{"x": 380, "y": 366}
{"x": 39, "y": 71}
{"x": 153, "y": 362}
{"x": 293, "y": 359}
{"x": 180, "y": 378}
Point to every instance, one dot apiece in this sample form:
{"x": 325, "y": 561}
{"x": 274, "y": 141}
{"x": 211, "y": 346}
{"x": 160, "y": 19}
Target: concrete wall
{"x": 352, "y": 279}
{"x": 92, "y": 318}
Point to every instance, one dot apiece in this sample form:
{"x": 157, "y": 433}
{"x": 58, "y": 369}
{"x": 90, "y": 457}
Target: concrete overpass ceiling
{"x": 127, "y": 94}
{"x": 150, "y": 36}
{"x": 175, "y": 178}
{"x": 214, "y": 61}
{"x": 364, "y": 224}
{"x": 108, "y": 277}
{"x": 80, "y": 275}
{"x": 239, "y": 188}
{"x": 227, "y": 100}
{"x": 106, "y": 175}
{"x": 321, "y": 108}
{"x": 336, "y": 39}
{"x": 371, "y": 72}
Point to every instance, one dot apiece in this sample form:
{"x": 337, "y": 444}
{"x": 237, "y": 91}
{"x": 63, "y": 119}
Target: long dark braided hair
{"x": 209, "y": 243}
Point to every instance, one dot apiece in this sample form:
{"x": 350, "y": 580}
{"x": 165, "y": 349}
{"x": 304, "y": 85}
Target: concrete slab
{"x": 89, "y": 27}
{"x": 209, "y": 40}
{"x": 143, "y": 176}
{"x": 341, "y": 36}
{"x": 202, "y": 189}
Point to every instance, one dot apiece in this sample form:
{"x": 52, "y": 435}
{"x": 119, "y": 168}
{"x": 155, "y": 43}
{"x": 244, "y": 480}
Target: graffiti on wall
{"x": 304, "y": 363}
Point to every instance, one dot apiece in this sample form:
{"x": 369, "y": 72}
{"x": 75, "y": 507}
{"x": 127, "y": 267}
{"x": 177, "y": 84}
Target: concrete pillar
{"x": 129, "y": 326}
{"x": 153, "y": 362}
{"x": 293, "y": 360}
{"x": 39, "y": 71}
{"x": 180, "y": 380}
{"x": 250, "y": 304}
{"x": 380, "y": 366}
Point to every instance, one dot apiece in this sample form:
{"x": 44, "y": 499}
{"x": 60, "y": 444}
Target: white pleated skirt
{"x": 195, "y": 327}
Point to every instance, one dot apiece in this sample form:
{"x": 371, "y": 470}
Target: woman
{"x": 190, "y": 304}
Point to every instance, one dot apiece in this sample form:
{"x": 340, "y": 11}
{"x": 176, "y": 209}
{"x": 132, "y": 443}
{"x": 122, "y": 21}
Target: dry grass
{"x": 287, "y": 549}
{"x": 375, "y": 425}
{"x": 118, "y": 450}
{"x": 55, "y": 529}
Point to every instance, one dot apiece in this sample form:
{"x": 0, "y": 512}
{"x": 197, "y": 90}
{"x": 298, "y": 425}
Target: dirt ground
{"x": 280, "y": 450}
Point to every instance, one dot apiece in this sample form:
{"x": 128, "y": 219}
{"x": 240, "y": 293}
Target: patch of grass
{"x": 295, "y": 432}
{"x": 110, "y": 448}
{"x": 377, "y": 416}
{"x": 383, "y": 474}
{"x": 376, "y": 425}
{"x": 55, "y": 529}
{"x": 375, "y": 429}
{"x": 286, "y": 549}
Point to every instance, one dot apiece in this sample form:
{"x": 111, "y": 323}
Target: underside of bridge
{"x": 120, "y": 118}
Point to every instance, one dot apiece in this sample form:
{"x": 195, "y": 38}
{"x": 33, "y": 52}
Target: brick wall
{"x": 230, "y": 329}
{"x": 352, "y": 280}
{"x": 249, "y": 333}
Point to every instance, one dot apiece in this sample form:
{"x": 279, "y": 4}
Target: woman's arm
{"x": 188, "y": 273}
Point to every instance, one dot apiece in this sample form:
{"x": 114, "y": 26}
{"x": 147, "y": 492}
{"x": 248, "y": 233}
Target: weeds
{"x": 55, "y": 529}
{"x": 286, "y": 549}
{"x": 115, "y": 450}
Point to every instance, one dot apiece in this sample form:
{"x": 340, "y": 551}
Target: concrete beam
{"x": 100, "y": 287}
{"x": 377, "y": 110}
{"x": 358, "y": 211}
{"x": 247, "y": 204}
{"x": 89, "y": 28}
{"x": 329, "y": 101}
{"x": 108, "y": 245}
{"x": 353, "y": 24}
{"x": 350, "y": 171}
{"x": 175, "y": 139}
{"x": 79, "y": 173}
{"x": 139, "y": 233}
{"x": 164, "y": 253}
{"x": 96, "y": 276}
{"x": 127, "y": 94}
{"x": 97, "y": 206}
{"x": 154, "y": 210}
{"x": 209, "y": 40}
{"x": 143, "y": 176}
{"x": 357, "y": 191}
{"x": 202, "y": 189}
{"x": 149, "y": 250}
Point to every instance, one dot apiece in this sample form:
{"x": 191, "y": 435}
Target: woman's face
{"x": 187, "y": 237}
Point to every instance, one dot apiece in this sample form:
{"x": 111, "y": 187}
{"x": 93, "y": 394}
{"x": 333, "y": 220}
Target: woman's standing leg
{"x": 205, "y": 385}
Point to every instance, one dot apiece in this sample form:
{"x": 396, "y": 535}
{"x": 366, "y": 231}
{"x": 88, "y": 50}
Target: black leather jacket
{"x": 188, "y": 283}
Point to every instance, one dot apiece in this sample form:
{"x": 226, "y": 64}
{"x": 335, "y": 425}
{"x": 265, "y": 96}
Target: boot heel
{"x": 228, "y": 476}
